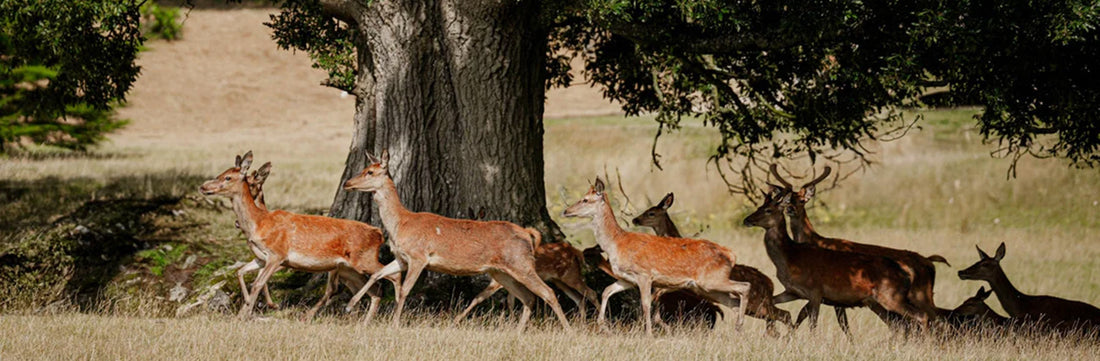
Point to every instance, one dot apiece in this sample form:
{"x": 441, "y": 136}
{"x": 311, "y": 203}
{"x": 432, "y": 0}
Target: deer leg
{"x": 645, "y": 286}
{"x": 842, "y": 320}
{"x": 249, "y": 267}
{"x": 814, "y": 309}
{"x": 618, "y": 286}
{"x": 660, "y": 305}
{"x": 411, "y": 276}
{"x": 390, "y": 269}
{"x": 269, "y": 268}
{"x": 330, "y": 285}
{"x": 531, "y": 282}
{"x": 573, "y": 295}
{"x": 517, "y": 290}
{"x": 485, "y": 294}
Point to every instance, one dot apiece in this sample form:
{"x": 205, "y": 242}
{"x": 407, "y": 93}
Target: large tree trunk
{"x": 456, "y": 98}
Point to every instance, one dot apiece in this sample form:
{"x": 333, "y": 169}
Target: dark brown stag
{"x": 1049, "y": 311}
{"x": 835, "y": 278}
{"x": 920, "y": 270}
{"x": 760, "y": 304}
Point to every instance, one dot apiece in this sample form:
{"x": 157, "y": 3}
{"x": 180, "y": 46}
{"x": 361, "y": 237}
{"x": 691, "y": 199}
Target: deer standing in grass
{"x": 255, "y": 188}
{"x": 344, "y": 249}
{"x": 760, "y": 304}
{"x": 1061, "y": 314}
{"x": 835, "y": 278}
{"x": 646, "y": 261}
{"x": 921, "y": 271}
{"x": 421, "y": 240}
{"x": 556, "y": 263}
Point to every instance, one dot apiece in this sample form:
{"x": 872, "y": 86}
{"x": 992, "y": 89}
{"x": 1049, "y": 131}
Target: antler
{"x": 775, "y": 172}
{"x": 818, "y": 179}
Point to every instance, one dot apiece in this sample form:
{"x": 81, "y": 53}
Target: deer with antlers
{"x": 1049, "y": 311}
{"x": 824, "y": 276}
{"x": 647, "y": 261}
{"x": 760, "y": 303}
{"x": 556, "y": 263}
{"x": 344, "y": 249}
{"x": 426, "y": 241}
{"x": 921, "y": 271}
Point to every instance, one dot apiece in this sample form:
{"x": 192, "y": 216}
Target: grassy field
{"x": 124, "y": 225}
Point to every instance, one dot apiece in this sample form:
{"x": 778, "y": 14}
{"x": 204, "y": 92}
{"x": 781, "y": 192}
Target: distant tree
{"x": 63, "y": 66}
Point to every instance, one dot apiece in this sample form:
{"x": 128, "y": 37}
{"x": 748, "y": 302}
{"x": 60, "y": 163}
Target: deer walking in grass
{"x": 556, "y": 263}
{"x": 760, "y": 303}
{"x": 421, "y": 240}
{"x": 824, "y": 276}
{"x": 647, "y": 261}
{"x": 921, "y": 271}
{"x": 255, "y": 182}
{"x": 1046, "y": 311}
{"x": 344, "y": 249}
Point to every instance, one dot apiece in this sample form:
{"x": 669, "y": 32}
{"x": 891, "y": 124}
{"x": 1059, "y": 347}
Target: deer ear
{"x": 237, "y": 162}
{"x": 599, "y": 186}
{"x": 982, "y": 293}
{"x": 371, "y": 159}
{"x": 385, "y": 159}
{"x": 246, "y": 162}
{"x": 981, "y": 253}
{"x": 262, "y": 173}
{"x": 785, "y": 200}
{"x": 667, "y": 201}
{"x": 1000, "y": 252}
{"x": 808, "y": 192}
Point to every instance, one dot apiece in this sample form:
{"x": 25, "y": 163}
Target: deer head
{"x": 231, "y": 180}
{"x": 805, "y": 194}
{"x": 373, "y": 177}
{"x": 656, "y": 215}
{"x": 770, "y": 213}
{"x": 590, "y": 204}
{"x": 257, "y": 178}
{"x": 987, "y": 268}
{"x": 975, "y": 306}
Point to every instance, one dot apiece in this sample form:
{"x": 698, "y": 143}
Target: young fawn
{"x": 835, "y": 278}
{"x": 973, "y": 314}
{"x": 647, "y": 261}
{"x": 342, "y": 248}
{"x": 556, "y": 263}
{"x": 760, "y": 303}
{"x": 421, "y": 240}
{"x": 1046, "y": 311}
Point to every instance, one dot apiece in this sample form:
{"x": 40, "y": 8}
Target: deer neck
{"x": 390, "y": 209}
{"x": 248, "y": 213}
{"x": 666, "y": 228}
{"x": 1011, "y": 298}
{"x": 607, "y": 229}
{"x": 801, "y": 228}
{"x": 776, "y": 241}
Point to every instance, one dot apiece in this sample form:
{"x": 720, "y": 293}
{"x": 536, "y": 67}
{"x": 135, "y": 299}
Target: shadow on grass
{"x": 80, "y": 231}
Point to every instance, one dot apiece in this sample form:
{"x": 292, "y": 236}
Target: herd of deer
{"x": 680, "y": 272}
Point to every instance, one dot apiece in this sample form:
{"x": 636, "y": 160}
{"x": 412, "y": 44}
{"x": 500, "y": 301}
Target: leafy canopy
{"x": 63, "y": 65}
{"x": 790, "y": 79}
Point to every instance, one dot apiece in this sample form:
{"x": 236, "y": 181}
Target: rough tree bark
{"x": 455, "y": 93}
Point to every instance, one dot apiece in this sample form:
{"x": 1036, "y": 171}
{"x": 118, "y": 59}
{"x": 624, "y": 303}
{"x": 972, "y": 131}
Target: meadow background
{"x": 124, "y": 228}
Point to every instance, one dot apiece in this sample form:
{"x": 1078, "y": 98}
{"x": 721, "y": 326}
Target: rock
{"x": 178, "y": 293}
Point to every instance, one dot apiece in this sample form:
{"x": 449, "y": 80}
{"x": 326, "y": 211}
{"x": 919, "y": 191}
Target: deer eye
{"x": 585, "y": 200}
{"x": 370, "y": 172}
{"x": 228, "y": 178}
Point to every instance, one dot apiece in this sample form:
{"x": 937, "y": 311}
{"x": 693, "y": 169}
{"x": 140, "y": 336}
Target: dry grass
{"x": 200, "y": 101}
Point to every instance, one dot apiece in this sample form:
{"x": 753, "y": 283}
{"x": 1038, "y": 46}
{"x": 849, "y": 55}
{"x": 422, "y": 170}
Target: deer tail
{"x": 938, "y": 258}
{"x": 536, "y": 237}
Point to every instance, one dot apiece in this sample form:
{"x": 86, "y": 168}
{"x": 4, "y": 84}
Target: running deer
{"x": 835, "y": 278}
{"x": 646, "y": 261}
{"x": 422, "y": 240}
{"x": 344, "y": 249}
{"x": 921, "y": 271}
{"x": 255, "y": 188}
{"x": 1061, "y": 314}
{"x": 760, "y": 303}
{"x": 681, "y": 306}
{"x": 973, "y": 314}
{"x": 556, "y": 263}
